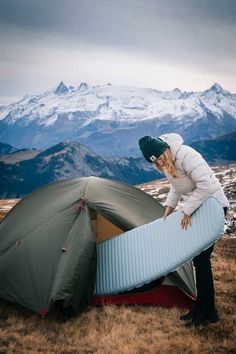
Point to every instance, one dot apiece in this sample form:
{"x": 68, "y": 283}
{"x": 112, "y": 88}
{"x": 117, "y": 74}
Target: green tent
{"x": 48, "y": 240}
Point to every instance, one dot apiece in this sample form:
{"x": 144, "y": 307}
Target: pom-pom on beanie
{"x": 152, "y": 148}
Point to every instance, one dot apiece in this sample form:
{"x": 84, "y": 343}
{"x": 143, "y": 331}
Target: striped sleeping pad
{"x": 150, "y": 251}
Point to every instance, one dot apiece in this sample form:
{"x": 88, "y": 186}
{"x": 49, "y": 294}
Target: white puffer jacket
{"x": 195, "y": 180}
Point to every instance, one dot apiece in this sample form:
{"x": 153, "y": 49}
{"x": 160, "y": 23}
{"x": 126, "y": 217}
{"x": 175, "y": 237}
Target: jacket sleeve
{"x": 173, "y": 198}
{"x": 197, "y": 169}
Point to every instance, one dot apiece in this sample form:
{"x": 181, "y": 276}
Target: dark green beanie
{"x": 152, "y": 148}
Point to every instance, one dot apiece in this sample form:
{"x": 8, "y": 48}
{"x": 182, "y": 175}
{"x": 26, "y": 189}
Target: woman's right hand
{"x": 168, "y": 211}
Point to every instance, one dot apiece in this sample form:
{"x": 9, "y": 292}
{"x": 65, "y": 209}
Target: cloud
{"x": 146, "y": 43}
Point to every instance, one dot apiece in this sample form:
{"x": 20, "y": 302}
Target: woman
{"x": 192, "y": 180}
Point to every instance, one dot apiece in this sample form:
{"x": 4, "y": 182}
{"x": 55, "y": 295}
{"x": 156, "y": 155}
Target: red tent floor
{"x": 162, "y": 295}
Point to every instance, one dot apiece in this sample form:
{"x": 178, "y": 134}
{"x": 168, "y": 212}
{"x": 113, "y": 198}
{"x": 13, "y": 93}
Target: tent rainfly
{"x": 48, "y": 242}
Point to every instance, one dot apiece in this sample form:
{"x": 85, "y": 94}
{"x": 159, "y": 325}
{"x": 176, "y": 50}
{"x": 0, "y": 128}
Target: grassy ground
{"x": 133, "y": 329}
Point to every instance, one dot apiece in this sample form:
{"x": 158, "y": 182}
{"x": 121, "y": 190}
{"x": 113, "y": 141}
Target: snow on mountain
{"x": 124, "y": 103}
{"x": 93, "y": 115}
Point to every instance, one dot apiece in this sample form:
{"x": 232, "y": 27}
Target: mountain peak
{"x": 216, "y": 87}
{"x": 177, "y": 90}
{"x": 83, "y": 86}
{"x": 61, "y": 88}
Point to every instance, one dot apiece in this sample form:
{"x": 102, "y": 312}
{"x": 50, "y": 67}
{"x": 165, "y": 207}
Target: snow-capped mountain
{"x": 111, "y": 119}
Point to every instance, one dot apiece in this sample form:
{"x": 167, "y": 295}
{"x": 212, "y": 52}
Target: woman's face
{"x": 160, "y": 162}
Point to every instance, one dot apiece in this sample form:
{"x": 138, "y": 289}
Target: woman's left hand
{"x": 186, "y": 220}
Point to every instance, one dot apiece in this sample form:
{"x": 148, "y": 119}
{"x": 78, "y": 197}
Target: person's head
{"x": 157, "y": 152}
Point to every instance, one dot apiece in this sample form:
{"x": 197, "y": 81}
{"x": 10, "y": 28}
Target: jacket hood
{"x": 174, "y": 141}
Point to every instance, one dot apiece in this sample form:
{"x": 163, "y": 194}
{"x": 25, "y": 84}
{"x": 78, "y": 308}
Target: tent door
{"x": 102, "y": 228}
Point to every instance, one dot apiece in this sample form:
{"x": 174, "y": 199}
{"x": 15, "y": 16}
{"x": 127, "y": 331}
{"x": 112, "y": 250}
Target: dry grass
{"x": 6, "y": 205}
{"x": 133, "y": 329}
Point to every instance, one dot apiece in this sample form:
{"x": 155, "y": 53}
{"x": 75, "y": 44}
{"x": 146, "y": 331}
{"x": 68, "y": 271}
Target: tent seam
{"x": 49, "y": 219}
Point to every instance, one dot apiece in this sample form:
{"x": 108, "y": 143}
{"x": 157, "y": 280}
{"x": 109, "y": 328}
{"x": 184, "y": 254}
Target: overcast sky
{"x": 163, "y": 44}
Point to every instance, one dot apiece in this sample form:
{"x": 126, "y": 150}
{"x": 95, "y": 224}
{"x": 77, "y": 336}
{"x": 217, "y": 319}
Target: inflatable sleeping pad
{"x": 152, "y": 250}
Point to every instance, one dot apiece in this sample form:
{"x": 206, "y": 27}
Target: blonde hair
{"x": 169, "y": 167}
